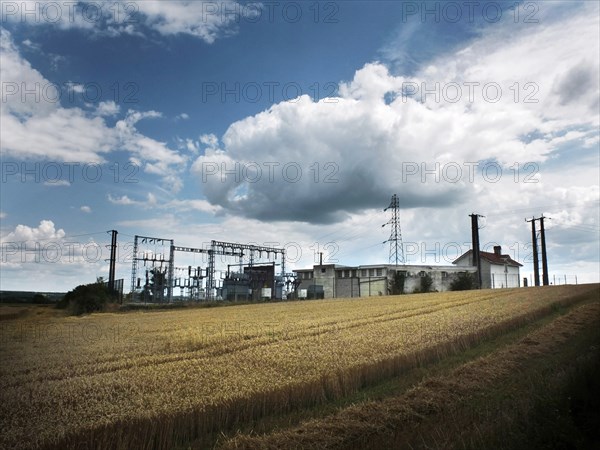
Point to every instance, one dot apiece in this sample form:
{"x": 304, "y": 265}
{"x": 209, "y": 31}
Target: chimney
{"x": 497, "y": 250}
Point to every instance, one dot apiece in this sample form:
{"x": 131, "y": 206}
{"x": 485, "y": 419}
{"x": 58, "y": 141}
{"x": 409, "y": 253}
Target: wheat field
{"x": 156, "y": 379}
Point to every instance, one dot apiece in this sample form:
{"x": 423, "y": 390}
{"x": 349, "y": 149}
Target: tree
{"x": 396, "y": 284}
{"x": 426, "y": 283}
{"x": 88, "y": 298}
{"x": 465, "y": 281}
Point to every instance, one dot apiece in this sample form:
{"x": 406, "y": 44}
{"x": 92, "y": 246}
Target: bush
{"x": 463, "y": 282}
{"x": 63, "y": 303}
{"x": 40, "y": 299}
{"x": 396, "y": 284}
{"x": 426, "y": 283}
{"x": 87, "y": 298}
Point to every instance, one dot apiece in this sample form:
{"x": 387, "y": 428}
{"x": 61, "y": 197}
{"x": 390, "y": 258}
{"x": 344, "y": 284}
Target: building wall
{"x": 497, "y": 276}
{"x": 464, "y": 261}
{"x": 373, "y": 286}
{"x": 504, "y": 276}
{"x": 325, "y": 276}
{"x": 441, "y": 276}
{"x": 347, "y": 287}
{"x": 486, "y": 278}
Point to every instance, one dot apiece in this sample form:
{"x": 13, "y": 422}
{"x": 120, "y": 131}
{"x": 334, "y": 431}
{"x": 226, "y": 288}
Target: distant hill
{"x": 30, "y": 297}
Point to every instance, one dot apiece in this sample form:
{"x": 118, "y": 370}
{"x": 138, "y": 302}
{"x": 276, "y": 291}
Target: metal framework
{"x": 210, "y": 276}
{"x": 216, "y": 248}
{"x": 395, "y": 239}
{"x": 227, "y": 248}
{"x": 153, "y": 259}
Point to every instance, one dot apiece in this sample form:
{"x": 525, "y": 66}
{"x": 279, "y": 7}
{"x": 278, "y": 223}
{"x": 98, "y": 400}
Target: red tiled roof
{"x": 493, "y": 258}
{"x": 499, "y": 259}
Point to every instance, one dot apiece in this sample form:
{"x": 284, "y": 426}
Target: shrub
{"x": 40, "y": 299}
{"x": 87, "y": 298}
{"x": 426, "y": 283}
{"x": 396, "y": 284}
{"x": 463, "y": 282}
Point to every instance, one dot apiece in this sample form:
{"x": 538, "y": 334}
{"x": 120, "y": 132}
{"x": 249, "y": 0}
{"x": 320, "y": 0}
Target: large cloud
{"x": 504, "y": 98}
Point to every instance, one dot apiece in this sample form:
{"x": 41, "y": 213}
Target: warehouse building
{"x": 337, "y": 281}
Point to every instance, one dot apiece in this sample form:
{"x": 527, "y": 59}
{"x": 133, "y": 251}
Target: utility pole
{"x": 475, "y": 243}
{"x": 536, "y": 261}
{"x": 112, "y": 261}
{"x": 545, "y": 280}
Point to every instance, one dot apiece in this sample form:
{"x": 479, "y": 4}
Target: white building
{"x": 337, "y": 281}
{"x": 497, "y": 270}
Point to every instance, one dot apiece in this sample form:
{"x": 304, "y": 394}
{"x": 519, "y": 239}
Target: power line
{"x": 58, "y": 238}
{"x": 504, "y": 212}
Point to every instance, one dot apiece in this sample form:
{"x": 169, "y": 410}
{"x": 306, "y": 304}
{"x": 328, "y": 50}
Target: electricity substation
{"x": 247, "y": 272}
{"x": 227, "y": 271}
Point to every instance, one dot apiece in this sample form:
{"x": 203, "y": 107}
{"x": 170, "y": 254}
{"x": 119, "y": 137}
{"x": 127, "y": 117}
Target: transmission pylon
{"x": 395, "y": 239}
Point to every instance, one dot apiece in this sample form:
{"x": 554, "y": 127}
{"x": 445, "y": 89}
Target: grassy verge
{"x": 538, "y": 392}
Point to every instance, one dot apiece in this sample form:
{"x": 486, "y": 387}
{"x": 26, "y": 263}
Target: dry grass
{"x": 426, "y": 415}
{"x": 148, "y": 380}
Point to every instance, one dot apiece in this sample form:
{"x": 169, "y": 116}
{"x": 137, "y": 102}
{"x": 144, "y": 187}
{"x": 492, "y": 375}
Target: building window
{"x": 347, "y": 273}
{"x": 323, "y": 270}
{"x": 340, "y": 274}
{"x": 379, "y": 272}
{"x": 444, "y": 274}
{"x": 363, "y": 272}
{"x": 371, "y": 272}
{"x": 422, "y": 273}
{"x": 353, "y": 273}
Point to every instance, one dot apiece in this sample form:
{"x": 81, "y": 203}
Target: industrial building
{"x": 337, "y": 281}
{"x": 257, "y": 282}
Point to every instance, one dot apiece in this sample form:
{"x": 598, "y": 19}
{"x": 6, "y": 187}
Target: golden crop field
{"x": 153, "y": 379}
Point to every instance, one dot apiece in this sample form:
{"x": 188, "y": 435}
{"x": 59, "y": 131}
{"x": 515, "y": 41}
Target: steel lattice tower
{"x": 395, "y": 239}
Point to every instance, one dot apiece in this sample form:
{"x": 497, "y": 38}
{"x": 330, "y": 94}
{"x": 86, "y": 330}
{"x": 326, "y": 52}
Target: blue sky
{"x": 317, "y": 111}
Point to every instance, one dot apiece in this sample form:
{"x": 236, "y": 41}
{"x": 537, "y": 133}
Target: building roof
{"x": 400, "y": 267}
{"x": 492, "y": 258}
{"x": 335, "y": 266}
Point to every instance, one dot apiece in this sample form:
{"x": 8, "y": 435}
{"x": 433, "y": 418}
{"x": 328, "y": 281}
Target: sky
{"x": 292, "y": 124}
